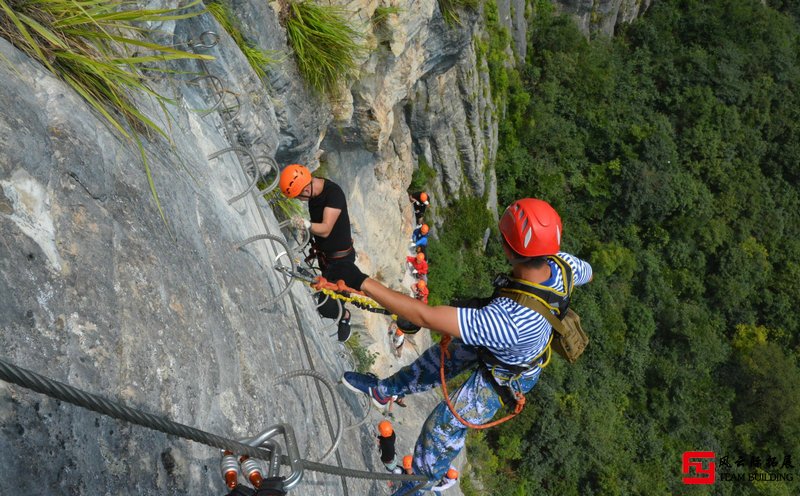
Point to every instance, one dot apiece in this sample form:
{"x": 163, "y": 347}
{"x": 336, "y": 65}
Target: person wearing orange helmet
{"x": 419, "y": 267}
{"x": 386, "y": 441}
{"x": 408, "y": 462}
{"x": 421, "y": 291}
{"x": 496, "y": 339}
{"x": 332, "y": 240}
{"x": 420, "y": 203}
{"x": 419, "y": 238}
{"x": 398, "y": 340}
{"x": 449, "y": 480}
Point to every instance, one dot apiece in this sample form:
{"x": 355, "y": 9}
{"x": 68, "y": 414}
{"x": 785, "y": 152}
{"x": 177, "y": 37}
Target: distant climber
{"x": 421, "y": 291}
{"x": 408, "y": 462}
{"x": 332, "y": 243}
{"x": 386, "y": 441}
{"x": 505, "y": 340}
{"x": 420, "y": 236}
{"x": 419, "y": 267}
{"x": 398, "y": 340}
{"x": 449, "y": 480}
{"x": 420, "y": 203}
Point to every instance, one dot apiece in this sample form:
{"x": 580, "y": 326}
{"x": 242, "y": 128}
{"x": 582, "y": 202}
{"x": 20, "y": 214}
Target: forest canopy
{"x": 672, "y": 152}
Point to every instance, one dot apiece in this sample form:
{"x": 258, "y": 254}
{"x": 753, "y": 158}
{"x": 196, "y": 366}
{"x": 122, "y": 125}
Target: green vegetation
{"x": 382, "y": 13}
{"x": 325, "y": 45}
{"x": 422, "y": 176}
{"x": 98, "y": 47}
{"x": 363, "y": 358}
{"x": 450, "y": 8}
{"x": 257, "y": 57}
{"x": 671, "y": 153}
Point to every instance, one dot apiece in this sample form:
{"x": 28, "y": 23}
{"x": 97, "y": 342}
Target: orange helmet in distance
{"x": 385, "y": 428}
{"x": 422, "y": 284}
{"x": 294, "y": 178}
{"x": 423, "y": 196}
{"x": 452, "y": 474}
{"x": 407, "y": 461}
{"x": 424, "y": 229}
{"x": 420, "y": 257}
{"x": 398, "y": 332}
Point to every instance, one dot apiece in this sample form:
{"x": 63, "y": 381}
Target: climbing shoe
{"x": 344, "y": 330}
{"x": 367, "y": 384}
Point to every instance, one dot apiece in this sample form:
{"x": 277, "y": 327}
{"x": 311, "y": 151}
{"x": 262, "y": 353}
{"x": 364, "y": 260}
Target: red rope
{"x": 517, "y": 395}
{"x": 339, "y": 286}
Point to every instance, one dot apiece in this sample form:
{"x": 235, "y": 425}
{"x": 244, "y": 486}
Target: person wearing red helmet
{"x": 332, "y": 242}
{"x": 507, "y": 341}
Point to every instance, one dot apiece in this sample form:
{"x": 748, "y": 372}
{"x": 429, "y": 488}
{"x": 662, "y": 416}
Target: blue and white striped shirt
{"x": 515, "y": 334}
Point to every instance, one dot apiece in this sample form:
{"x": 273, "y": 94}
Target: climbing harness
{"x": 518, "y": 396}
{"x": 543, "y": 300}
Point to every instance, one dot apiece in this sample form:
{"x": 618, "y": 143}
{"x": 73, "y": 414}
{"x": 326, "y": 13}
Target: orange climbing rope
{"x": 443, "y": 344}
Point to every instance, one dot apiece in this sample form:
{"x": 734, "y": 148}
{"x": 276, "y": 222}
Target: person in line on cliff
{"x": 449, "y": 480}
{"x": 419, "y": 267}
{"x": 503, "y": 338}
{"x": 398, "y": 340}
{"x": 419, "y": 238}
{"x": 332, "y": 242}
{"x": 386, "y": 442}
{"x": 420, "y": 203}
{"x": 420, "y": 291}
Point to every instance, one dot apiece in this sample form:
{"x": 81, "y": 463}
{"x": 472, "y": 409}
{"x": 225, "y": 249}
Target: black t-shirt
{"x": 419, "y": 205}
{"x": 386, "y": 445}
{"x": 340, "y": 237}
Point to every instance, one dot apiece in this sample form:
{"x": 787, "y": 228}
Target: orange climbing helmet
{"x": 452, "y": 474}
{"x": 420, "y": 257}
{"x": 385, "y": 428}
{"x": 421, "y": 284}
{"x": 407, "y": 461}
{"x": 294, "y": 178}
{"x": 423, "y": 197}
{"x": 532, "y": 228}
{"x": 424, "y": 229}
{"x": 398, "y": 332}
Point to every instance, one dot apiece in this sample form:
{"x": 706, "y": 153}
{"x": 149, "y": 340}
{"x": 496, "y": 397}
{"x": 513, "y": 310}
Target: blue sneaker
{"x": 367, "y": 384}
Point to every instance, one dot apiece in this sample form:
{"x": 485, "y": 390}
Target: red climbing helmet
{"x": 385, "y": 428}
{"x": 294, "y": 178}
{"x": 532, "y": 228}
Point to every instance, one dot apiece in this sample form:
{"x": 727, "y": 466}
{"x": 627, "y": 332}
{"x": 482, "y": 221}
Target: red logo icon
{"x": 702, "y": 474}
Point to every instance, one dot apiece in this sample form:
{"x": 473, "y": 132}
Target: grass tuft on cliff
{"x": 257, "y": 57}
{"x": 325, "y": 45}
{"x": 450, "y": 8}
{"x": 99, "y": 48}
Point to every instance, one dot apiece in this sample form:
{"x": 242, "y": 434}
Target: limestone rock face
{"x": 177, "y": 319}
{"x": 603, "y": 16}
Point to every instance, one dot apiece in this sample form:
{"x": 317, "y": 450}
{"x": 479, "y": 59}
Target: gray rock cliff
{"x": 178, "y": 320}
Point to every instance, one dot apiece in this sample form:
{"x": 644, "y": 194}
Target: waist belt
{"x": 339, "y": 254}
{"x": 505, "y": 393}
